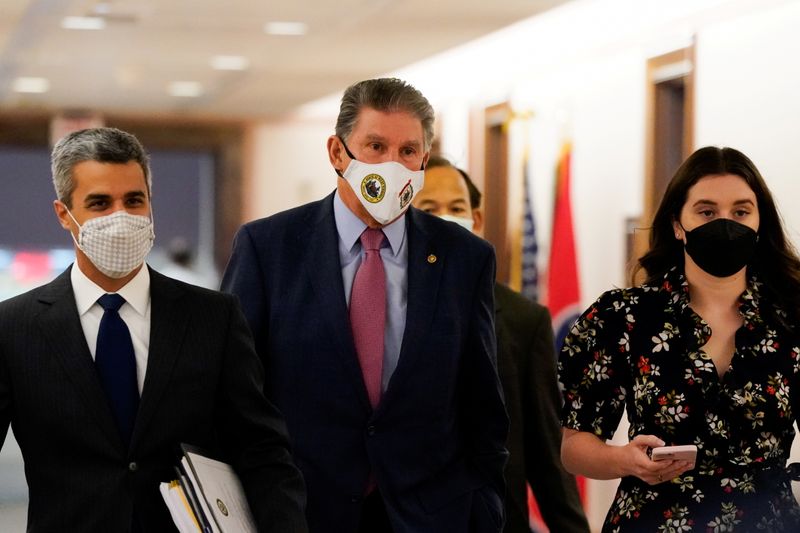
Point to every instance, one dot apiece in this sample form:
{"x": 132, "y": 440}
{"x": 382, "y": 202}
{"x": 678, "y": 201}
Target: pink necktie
{"x": 368, "y": 312}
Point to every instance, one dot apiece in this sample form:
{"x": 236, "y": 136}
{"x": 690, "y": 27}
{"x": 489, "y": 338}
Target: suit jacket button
{"x": 132, "y": 466}
{"x": 370, "y": 430}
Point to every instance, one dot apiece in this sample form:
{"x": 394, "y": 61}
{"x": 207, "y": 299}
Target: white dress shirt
{"x": 135, "y": 312}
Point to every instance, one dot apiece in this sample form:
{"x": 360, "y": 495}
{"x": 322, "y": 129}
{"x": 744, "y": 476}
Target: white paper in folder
{"x": 222, "y": 492}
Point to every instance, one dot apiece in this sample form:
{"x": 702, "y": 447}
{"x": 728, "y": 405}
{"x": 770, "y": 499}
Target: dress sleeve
{"x": 593, "y": 367}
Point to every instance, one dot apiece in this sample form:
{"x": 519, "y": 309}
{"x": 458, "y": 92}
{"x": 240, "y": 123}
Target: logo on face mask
{"x": 406, "y": 194}
{"x": 373, "y": 188}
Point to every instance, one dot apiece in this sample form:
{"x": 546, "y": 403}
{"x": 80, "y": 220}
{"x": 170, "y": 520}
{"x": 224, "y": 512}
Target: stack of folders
{"x": 207, "y": 497}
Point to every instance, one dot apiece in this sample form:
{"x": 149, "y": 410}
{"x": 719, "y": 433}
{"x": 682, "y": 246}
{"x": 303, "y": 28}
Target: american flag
{"x": 530, "y": 250}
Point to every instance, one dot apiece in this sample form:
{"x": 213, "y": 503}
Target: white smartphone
{"x": 687, "y": 452}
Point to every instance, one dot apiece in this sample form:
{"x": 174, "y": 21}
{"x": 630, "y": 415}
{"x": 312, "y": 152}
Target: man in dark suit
{"x": 405, "y": 430}
{"x": 527, "y": 367}
{"x": 108, "y": 368}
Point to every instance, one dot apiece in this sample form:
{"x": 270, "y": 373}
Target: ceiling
{"x": 148, "y": 44}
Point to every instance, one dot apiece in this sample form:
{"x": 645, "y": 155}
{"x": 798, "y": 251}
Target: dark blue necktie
{"x": 116, "y": 365}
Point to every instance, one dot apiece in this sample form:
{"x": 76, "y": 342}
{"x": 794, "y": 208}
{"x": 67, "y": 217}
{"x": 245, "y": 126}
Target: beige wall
{"x": 287, "y": 165}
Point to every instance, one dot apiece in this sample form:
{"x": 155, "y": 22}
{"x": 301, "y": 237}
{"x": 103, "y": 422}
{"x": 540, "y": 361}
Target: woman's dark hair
{"x": 775, "y": 262}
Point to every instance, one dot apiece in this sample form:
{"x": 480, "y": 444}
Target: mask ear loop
{"x": 347, "y": 150}
{"x": 152, "y": 221}
{"x": 80, "y": 228}
{"x": 349, "y": 154}
{"x": 73, "y": 219}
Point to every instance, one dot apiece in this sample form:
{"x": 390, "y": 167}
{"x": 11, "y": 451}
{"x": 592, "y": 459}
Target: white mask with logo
{"x": 384, "y": 189}
{"x": 467, "y": 223}
{"x": 116, "y": 243}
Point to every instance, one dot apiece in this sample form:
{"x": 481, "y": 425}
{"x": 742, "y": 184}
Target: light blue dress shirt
{"x": 394, "y": 253}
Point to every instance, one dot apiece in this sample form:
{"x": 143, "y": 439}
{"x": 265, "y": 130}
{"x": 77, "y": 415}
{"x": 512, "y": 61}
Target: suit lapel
{"x": 425, "y": 260}
{"x": 61, "y": 327}
{"x": 325, "y": 272}
{"x": 168, "y": 322}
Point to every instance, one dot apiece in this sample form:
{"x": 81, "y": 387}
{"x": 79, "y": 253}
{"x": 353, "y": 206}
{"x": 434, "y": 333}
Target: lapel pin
{"x": 432, "y": 259}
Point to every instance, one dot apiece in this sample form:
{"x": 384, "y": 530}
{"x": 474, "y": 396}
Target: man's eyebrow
{"x": 105, "y": 196}
{"x": 96, "y": 196}
{"x": 375, "y": 137}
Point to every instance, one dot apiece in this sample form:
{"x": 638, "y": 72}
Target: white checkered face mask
{"x": 116, "y": 243}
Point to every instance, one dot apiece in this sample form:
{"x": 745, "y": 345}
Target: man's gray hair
{"x": 384, "y": 94}
{"x": 105, "y": 145}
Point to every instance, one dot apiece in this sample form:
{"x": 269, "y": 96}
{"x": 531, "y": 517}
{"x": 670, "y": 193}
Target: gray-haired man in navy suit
{"x": 375, "y": 324}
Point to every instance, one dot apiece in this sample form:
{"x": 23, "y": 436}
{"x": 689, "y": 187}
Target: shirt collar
{"x": 136, "y": 292}
{"x": 750, "y": 300}
{"x": 350, "y": 227}
{"x": 676, "y": 285}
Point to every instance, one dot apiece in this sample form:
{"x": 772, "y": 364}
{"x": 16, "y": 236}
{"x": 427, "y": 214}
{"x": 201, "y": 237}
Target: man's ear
{"x": 477, "y": 219}
{"x": 62, "y": 214}
{"x": 336, "y": 154}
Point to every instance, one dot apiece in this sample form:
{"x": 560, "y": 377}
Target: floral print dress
{"x": 641, "y": 349}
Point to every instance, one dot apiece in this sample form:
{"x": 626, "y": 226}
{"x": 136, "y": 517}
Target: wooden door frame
{"x": 676, "y": 64}
{"x": 496, "y": 187}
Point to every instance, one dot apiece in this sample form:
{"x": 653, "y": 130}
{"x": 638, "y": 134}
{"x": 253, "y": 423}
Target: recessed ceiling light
{"x": 187, "y": 89}
{"x": 83, "y": 23}
{"x": 286, "y": 28}
{"x": 230, "y": 62}
{"x": 102, "y": 8}
{"x": 31, "y": 85}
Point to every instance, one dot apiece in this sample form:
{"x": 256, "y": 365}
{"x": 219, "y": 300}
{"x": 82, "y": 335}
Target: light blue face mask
{"x": 467, "y": 223}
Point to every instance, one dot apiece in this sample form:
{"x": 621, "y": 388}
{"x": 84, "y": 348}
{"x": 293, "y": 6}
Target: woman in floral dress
{"x": 719, "y": 261}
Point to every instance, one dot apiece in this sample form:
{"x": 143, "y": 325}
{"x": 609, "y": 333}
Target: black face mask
{"x": 721, "y": 247}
